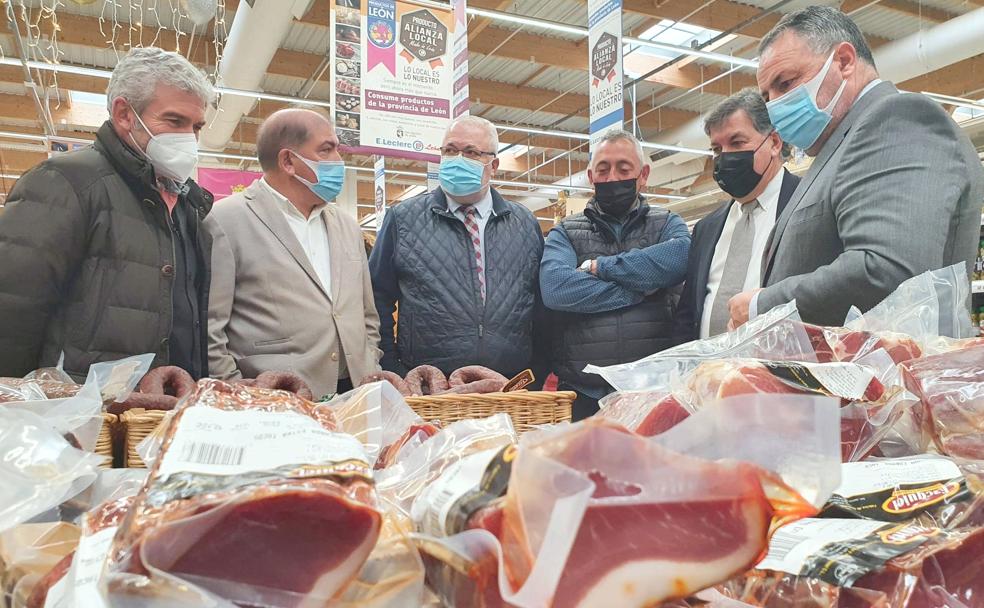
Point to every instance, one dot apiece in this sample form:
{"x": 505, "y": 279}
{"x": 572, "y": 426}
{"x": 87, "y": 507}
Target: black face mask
{"x": 735, "y": 171}
{"x": 616, "y": 198}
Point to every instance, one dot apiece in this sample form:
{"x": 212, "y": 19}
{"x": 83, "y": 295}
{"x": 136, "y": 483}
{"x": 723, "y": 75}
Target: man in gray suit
{"x": 290, "y": 282}
{"x": 895, "y": 187}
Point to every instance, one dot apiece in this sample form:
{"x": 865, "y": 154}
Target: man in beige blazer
{"x": 290, "y": 283}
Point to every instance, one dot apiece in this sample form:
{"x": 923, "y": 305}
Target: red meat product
{"x": 643, "y": 539}
{"x": 169, "y": 380}
{"x": 941, "y": 571}
{"x": 393, "y": 378}
{"x": 40, "y": 592}
{"x": 245, "y": 468}
{"x": 52, "y": 389}
{"x": 285, "y": 381}
{"x": 646, "y": 413}
{"x": 834, "y": 344}
{"x": 475, "y": 373}
{"x": 145, "y": 401}
{"x": 422, "y": 431}
{"x": 862, "y": 397}
{"x": 950, "y": 387}
{"x": 426, "y": 380}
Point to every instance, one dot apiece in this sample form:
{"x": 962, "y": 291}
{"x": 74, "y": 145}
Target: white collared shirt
{"x": 764, "y": 219}
{"x": 483, "y": 211}
{"x": 311, "y": 233}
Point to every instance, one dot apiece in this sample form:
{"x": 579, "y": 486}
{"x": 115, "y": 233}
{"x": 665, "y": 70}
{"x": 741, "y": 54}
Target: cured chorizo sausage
{"x": 392, "y": 378}
{"x": 285, "y": 381}
{"x": 426, "y": 380}
{"x": 168, "y": 380}
{"x": 145, "y": 401}
{"x": 475, "y": 373}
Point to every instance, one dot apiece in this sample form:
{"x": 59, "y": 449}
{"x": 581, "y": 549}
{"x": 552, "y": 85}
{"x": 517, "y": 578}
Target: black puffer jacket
{"x": 86, "y": 261}
{"x": 423, "y": 259}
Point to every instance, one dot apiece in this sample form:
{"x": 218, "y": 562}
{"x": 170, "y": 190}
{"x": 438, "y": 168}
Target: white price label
{"x": 859, "y": 478}
{"x": 792, "y": 545}
{"x": 231, "y": 442}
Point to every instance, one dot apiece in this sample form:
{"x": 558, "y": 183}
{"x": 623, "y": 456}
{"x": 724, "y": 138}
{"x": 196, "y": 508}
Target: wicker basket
{"x": 104, "y": 443}
{"x": 137, "y": 424}
{"x": 527, "y": 408}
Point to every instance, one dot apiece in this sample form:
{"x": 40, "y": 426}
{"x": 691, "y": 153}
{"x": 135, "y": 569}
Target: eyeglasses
{"x": 469, "y": 152}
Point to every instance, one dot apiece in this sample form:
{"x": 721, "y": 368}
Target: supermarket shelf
{"x": 977, "y": 287}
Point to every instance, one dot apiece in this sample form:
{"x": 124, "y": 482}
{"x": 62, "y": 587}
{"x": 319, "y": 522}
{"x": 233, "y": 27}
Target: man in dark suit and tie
{"x": 727, "y": 246}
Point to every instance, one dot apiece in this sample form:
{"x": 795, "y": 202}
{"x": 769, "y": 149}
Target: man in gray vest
{"x": 608, "y": 274}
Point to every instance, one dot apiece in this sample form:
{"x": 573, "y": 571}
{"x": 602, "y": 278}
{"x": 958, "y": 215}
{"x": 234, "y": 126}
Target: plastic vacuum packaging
{"x": 851, "y": 563}
{"x": 27, "y": 553}
{"x": 777, "y": 335}
{"x": 596, "y": 515}
{"x": 950, "y": 387}
{"x": 40, "y": 469}
{"x": 377, "y": 415}
{"x": 255, "y": 499}
{"x": 946, "y": 492}
{"x": 422, "y": 463}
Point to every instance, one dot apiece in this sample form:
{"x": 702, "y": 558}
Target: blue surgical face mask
{"x": 796, "y": 115}
{"x": 331, "y": 177}
{"x": 461, "y": 176}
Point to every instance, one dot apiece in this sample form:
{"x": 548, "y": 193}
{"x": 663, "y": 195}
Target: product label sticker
{"x": 845, "y": 380}
{"x": 80, "y": 585}
{"x": 211, "y": 441}
{"x": 841, "y": 551}
{"x": 473, "y": 482}
{"x": 898, "y": 489}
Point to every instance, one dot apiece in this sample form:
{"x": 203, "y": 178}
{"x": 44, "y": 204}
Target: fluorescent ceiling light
{"x": 95, "y": 99}
{"x": 271, "y": 96}
{"x": 672, "y": 148}
{"x": 547, "y": 132}
{"x": 683, "y": 50}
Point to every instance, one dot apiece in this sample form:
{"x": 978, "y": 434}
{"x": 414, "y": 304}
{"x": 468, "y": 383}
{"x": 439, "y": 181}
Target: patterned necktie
{"x": 476, "y": 240}
{"x": 735, "y": 268}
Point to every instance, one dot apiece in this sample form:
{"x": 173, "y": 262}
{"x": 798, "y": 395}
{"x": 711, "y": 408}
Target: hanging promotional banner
{"x": 225, "y": 182}
{"x": 380, "y": 191}
{"x": 393, "y": 76}
{"x": 605, "y": 63}
{"x": 459, "y": 99}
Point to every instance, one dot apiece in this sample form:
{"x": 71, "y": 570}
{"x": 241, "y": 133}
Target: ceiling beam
{"x": 955, "y": 79}
{"x": 903, "y": 7}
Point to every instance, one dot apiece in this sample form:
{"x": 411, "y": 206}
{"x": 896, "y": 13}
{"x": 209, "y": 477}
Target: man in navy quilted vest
{"x": 461, "y": 264}
{"x": 611, "y": 275}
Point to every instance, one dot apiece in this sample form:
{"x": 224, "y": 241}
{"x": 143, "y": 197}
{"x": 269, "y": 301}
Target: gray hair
{"x": 747, "y": 99}
{"x": 478, "y": 121}
{"x": 620, "y": 135}
{"x": 137, "y": 75}
{"x": 822, "y": 27}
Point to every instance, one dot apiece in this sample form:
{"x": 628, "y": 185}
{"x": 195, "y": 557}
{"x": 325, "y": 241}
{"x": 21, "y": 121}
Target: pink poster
{"x": 223, "y": 182}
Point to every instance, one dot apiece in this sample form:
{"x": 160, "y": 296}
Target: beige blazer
{"x": 267, "y": 309}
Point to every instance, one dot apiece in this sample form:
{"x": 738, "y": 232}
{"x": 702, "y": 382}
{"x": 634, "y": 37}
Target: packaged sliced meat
{"x": 414, "y": 436}
{"x": 837, "y": 563}
{"x": 935, "y": 488}
{"x": 375, "y": 414}
{"x": 239, "y": 469}
{"x": 646, "y": 413}
{"x": 595, "y": 515}
{"x": 391, "y": 377}
{"x": 40, "y": 469}
{"x": 29, "y": 389}
{"x": 778, "y": 335}
{"x": 28, "y": 553}
{"x": 950, "y": 387}
{"x": 839, "y": 344}
{"x": 869, "y": 407}
{"x": 422, "y": 464}
{"x": 426, "y": 380}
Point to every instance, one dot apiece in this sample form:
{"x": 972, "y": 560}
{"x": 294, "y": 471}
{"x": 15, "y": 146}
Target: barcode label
{"x": 781, "y": 545}
{"x": 211, "y": 441}
{"x": 213, "y": 454}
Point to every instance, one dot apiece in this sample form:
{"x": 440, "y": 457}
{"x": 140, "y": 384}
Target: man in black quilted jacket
{"x": 462, "y": 263}
{"x": 103, "y": 252}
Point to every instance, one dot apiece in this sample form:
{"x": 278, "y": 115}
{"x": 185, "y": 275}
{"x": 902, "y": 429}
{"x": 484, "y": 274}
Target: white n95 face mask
{"x": 173, "y": 155}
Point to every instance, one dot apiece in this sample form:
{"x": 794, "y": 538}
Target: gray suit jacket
{"x": 267, "y": 309}
{"x": 895, "y": 191}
